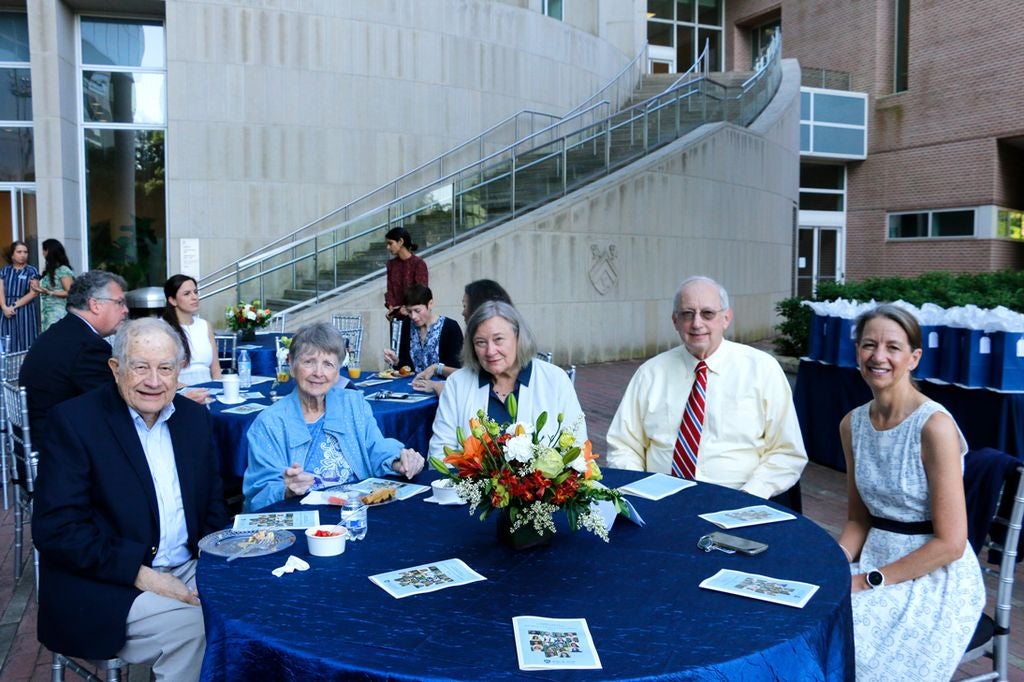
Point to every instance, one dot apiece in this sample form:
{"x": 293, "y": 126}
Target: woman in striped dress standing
{"x": 20, "y": 308}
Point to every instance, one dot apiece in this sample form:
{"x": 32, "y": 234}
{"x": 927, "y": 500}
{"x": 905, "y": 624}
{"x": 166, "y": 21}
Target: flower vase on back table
{"x": 247, "y": 335}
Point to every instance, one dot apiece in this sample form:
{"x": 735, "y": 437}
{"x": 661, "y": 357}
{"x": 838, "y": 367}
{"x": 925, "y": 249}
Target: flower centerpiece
{"x": 246, "y": 318}
{"x": 528, "y": 477}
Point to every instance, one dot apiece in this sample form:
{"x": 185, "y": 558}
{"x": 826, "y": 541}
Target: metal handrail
{"x": 480, "y": 140}
{"x": 648, "y": 124}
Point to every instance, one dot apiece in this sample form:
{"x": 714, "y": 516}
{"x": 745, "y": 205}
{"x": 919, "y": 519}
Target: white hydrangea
{"x": 511, "y": 429}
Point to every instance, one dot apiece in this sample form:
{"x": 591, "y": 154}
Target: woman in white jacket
{"x": 498, "y": 361}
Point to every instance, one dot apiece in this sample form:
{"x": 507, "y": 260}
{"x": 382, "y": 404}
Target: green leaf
{"x": 513, "y": 406}
{"x": 571, "y": 455}
{"x": 541, "y": 421}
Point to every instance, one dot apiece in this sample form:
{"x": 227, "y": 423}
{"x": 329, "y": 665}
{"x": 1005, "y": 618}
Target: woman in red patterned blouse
{"x": 404, "y": 269}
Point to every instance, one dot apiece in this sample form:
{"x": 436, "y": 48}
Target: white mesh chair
{"x": 992, "y": 636}
{"x": 546, "y": 357}
{"x": 226, "y": 350}
{"x": 23, "y": 462}
{"x": 572, "y": 374}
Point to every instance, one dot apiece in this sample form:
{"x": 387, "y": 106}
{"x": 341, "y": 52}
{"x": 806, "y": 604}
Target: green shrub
{"x": 985, "y": 290}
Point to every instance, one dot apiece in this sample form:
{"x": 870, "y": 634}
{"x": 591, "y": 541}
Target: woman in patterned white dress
{"x": 917, "y": 588}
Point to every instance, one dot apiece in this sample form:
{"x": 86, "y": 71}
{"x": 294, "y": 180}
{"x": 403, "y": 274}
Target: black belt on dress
{"x": 903, "y": 527}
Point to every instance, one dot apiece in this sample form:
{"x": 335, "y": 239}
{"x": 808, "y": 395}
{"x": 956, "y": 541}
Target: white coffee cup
{"x": 230, "y": 388}
{"x": 444, "y": 491}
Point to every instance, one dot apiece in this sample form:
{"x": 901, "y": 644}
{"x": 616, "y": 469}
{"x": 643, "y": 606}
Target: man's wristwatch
{"x": 439, "y": 370}
{"x": 875, "y": 579}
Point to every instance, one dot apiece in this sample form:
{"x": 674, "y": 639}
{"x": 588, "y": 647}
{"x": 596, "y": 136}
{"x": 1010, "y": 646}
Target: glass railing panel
{"x": 539, "y": 176}
{"x": 585, "y": 156}
{"x": 484, "y": 197}
{"x": 627, "y": 139}
{"x": 428, "y": 215}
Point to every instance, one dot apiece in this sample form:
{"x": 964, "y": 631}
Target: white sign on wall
{"x": 190, "y": 257}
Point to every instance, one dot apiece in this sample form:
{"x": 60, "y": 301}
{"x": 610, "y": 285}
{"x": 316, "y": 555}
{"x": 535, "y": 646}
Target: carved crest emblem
{"x": 603, "y": 274}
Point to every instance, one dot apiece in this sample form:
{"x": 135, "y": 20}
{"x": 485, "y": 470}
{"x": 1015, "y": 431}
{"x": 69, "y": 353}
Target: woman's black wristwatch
{"x": 875, "y": 579}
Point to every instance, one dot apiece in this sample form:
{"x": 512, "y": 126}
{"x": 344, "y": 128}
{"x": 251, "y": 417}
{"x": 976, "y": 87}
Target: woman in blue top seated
{"x": 319, "y": 435}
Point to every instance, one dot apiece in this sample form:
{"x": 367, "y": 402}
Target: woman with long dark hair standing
{"x": 404, "y": 270}
{"x": 201, "y": 363}
{"x": 54, "y": 285}
{"x": 21, "y": 311}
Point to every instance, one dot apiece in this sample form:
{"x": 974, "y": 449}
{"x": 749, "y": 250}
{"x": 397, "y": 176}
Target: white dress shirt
{"x": 751, "y": 438}
{"x": 156, "y": 443}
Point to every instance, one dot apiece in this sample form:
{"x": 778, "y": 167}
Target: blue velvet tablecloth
{"x": 825, "y": 393}
{"x": 264, "y": 355}
{"x": 639, "y": 595}
{"x": 411, "y": 422}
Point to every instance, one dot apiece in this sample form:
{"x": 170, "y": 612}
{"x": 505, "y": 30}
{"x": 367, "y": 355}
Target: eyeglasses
{"x": 120, "y": 302}
{"x": 688, "y": 316}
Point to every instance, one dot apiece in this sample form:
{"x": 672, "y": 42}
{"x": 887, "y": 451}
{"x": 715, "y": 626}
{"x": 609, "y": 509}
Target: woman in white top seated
{"x": 498, "y": 361}
{"x": 201, "y": 363}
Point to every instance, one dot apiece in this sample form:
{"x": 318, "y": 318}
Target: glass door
{"x": 18, "y": 220}
{"x": 818, "y": 258}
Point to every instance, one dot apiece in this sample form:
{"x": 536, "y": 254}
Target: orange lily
{"x": 470, "y": 461}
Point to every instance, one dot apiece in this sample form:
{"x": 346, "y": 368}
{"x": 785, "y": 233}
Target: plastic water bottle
{"x": 353, "y": 516}
{"x": 244, "y": 370}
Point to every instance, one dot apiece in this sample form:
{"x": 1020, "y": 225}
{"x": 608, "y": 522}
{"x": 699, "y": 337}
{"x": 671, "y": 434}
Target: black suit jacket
{"x": 65, "y": 361}
{"x": 95, "y": 520}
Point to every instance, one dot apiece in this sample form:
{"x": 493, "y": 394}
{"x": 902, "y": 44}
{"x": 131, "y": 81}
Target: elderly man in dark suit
{"x": 127, "y": 488}
{"x": 71, "y": 356}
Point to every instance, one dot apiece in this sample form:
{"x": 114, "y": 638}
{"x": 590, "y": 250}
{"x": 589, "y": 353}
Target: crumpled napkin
{"x": 294, "y": 563}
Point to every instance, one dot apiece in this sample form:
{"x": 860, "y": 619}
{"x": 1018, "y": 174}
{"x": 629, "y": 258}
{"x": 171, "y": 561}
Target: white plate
{"x": 434, "y": 500}
{"x": 222, "y": 399}
{"x": 228, "y": 542}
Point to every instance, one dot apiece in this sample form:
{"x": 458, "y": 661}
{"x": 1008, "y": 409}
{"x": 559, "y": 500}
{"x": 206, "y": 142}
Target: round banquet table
{"x": 409, "y": 422}
{"x": 639, "y": 595}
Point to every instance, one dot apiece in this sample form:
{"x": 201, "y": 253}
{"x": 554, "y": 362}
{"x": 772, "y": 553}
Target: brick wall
{"x": 940, "y": 144}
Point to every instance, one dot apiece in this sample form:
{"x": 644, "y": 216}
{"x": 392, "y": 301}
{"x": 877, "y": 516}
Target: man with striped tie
{"x": 710, "y": 410}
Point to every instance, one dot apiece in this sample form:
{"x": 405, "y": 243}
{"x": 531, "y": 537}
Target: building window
{"x": 932, "y": 224}
{"x": 17, "y": 155}
{"x": 822, "y": 187}
{"x": 901, "y": 45}
{"x": 760, "y": 37}
{"x": 124, "y": 121}
{"x": 553, "y": 9}
{"x": 685, "y": 26}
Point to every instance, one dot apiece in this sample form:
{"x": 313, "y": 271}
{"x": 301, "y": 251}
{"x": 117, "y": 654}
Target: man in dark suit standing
{"x": 125, "y": 492}
{"x": 71, "y": 356}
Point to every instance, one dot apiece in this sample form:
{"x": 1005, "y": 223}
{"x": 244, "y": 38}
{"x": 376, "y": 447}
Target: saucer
{"x": 434, "y": 500}
{"x": 224, "y": 400}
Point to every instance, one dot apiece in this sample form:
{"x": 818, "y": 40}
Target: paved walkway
{"x": 599, "y": 386}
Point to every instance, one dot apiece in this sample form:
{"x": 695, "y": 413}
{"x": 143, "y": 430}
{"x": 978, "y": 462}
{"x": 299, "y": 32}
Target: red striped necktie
{"x": 684, "y": 458}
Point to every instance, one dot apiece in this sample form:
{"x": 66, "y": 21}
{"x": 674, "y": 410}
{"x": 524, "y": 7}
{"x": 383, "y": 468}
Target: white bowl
{"x": 444, "y": 491}
{"x": 326, "y": 546}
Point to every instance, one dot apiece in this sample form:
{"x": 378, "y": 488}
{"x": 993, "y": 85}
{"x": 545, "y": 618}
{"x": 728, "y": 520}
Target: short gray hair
{"x": 319, "y": 336}
{"x": 92, "y": 284}
{"x": 133, "y": 329}
{"x": 723, "y": 295}
{"x": 526, "y": 346}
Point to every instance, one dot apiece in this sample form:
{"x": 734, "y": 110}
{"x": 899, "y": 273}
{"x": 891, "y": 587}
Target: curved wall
{"x": 595, "y": 272}
{"x": 279, "y": 113}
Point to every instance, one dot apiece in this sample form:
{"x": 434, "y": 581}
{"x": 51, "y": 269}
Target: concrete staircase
{"x": 486, "y": 198}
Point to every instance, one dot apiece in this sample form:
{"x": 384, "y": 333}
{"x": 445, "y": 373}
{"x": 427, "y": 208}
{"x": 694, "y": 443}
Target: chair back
{"x": 12, "y": 365}
{"x": 351, "y": 327}
{"x": 226, "y": 350}
{"x": 999, "y": 477}
{"x": 19, "y": 439}
{"x": 546, "y": 357}
{"x": 572, "y": 374}
{"x": 276, "y": 324}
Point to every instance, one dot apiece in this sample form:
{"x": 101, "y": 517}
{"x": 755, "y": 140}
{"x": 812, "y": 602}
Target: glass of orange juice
{"x": 354, "y": 372}
{"x": 283, "y": 373}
